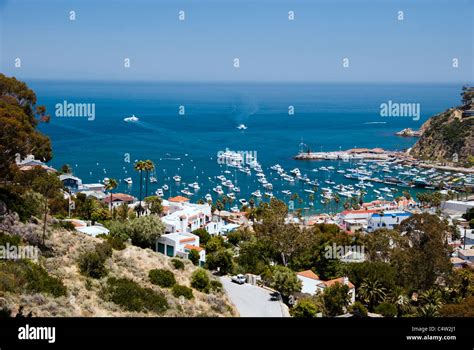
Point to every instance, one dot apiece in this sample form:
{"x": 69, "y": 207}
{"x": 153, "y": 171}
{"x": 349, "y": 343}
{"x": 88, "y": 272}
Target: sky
{"x": 270, "y": 47}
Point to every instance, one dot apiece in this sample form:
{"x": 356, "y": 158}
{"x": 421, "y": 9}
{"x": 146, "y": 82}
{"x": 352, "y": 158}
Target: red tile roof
{"x": 190, "y": 239}
{"x": 191, "y": 247}
{"x": 119, "y": 197}
{"x": 308, "y": 274}
{"x": 178, "y": 199}
{"x": 339, "y": 280}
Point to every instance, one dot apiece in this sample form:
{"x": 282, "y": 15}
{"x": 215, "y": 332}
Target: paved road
{"x": 251, "y": 301}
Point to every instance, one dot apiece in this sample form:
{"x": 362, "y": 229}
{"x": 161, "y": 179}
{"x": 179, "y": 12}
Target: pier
{"x": 355, "y": 153}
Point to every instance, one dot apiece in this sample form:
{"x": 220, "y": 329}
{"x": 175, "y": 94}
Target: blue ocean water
{"x": 327, "y": 117}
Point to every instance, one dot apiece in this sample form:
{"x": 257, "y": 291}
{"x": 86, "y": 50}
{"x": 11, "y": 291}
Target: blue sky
{"x": 270, "y": 47}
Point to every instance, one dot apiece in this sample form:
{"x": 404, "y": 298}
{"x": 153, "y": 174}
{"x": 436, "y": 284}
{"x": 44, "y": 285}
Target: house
{"x": 30, "y": 162}
{"x": 343, "y": 281}
{"x": 87, "y": 228}
{"x": 118, "y": 199}
{"x": 457, "y": 262}
{"x": 352, "y": 220}
{"x": 456, "y": 207}
{"x": 94, "y": 187}
{"x": 71, "y": 182}
{"x": 311, "y": 283}
{"x": 387, "y": 220}
{"x": 467, "y": 255}
{"x": 94, "y": 194}
{"x": 180, "y": 244}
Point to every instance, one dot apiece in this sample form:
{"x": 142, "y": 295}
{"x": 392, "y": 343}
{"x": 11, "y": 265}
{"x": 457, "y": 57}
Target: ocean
{"x": 327, "y": 117}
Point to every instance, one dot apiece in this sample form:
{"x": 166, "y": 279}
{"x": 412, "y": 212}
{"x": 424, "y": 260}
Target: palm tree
{"x": 431, "y": 297}
{"x": 110, "y": 186}
{"x": 372, "y": 292}
{"x": 337, "y": 199}
{"x": 140, "y": 166}
{"x": 428, "y": 310}
{"x": 148, "y": 166}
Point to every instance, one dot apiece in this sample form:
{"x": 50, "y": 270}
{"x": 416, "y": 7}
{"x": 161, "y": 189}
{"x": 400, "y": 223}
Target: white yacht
{"x": 165, "y": 187}
{"x": 194, "y": 185}
{"x": 243, "y": 201}
{"x": 218, "y": 190}
{"x": 236, "y": 189}
{"x": 177, "y": 178}
{"x": 287, "y": 192}
{"x": 257, "y": 194}
{"x": 186, "y": 192}
{"x": 208, "y": 197}
{"x": 131, "y": 119}
{"x": 242, "y": 127}
{"x": 153, "y": 179}
{"x": 159, "y": 192}
{"x": 128, "y": 180}
{"x": 228, "y": 183}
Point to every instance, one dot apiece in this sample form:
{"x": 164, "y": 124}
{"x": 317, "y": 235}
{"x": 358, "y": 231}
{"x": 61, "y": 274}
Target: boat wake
{"x": 367, "y": 123}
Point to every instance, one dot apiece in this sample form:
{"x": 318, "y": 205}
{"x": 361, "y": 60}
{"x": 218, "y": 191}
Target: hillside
{"x": 444, "y": 135}
{"x": 84, "y": 295}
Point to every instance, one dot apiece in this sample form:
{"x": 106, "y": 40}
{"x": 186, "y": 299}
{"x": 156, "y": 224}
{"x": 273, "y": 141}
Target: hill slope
{"x": 84, "y": 294}
{"x": 444, "y": 135}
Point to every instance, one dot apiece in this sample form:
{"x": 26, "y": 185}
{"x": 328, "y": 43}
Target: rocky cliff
{"x": 446, "y": 135}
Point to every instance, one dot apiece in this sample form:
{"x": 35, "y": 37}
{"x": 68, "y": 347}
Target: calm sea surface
{"x": 326, "y": 117}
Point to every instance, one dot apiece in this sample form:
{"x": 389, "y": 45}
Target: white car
{"x": 240, "y": 279}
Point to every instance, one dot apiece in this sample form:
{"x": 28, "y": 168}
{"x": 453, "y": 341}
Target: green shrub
{"x": 386, "y": 310}
{"x": 162, "y": 278}
{"x": 11, "y": 240}
{"x": 193, "y": 255}
{"x": 40, "y": 281}
{"x": 91, "y": 264}
{"x": 358, "y": 309}
{"x": 116, "y": 242}
{"x": 304, "y": 308}
{"x": 132, "y": 297}
{"x": 200, "y": 280}
{"x": 178, "y": 264}
{"x": 184, "y": 291}
{"x": 104, "y": 250}
{"x": 22, "y": 275}
{"x": 67, "y": 225}
{"x": 215, "y": 286}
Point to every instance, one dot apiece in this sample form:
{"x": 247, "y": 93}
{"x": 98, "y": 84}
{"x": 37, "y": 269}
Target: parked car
{"x": 240, "y": 279}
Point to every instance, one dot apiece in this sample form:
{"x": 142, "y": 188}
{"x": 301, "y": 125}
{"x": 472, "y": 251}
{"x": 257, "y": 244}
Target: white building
{"x": 88, "y": 229}
{"x": 180, "y": 244}
{"x": 456, "y": 207}
{"x": 183, "y": 216}
{"x": 387, "y": 220}
{"x": 311, "y": 284}
{"x": 466, "y": 255}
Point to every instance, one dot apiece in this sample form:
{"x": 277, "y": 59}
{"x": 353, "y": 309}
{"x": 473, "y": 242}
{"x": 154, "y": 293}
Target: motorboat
{"x": 131, "y": 119}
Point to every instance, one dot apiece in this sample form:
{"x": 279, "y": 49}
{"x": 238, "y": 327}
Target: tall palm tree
{"x": 148, "y": 166}
{"x": 140, "y": 166}
{"x": 372, "y": 292}
{"x": 337, "y": 199}
{"x": 110, "y": 185}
